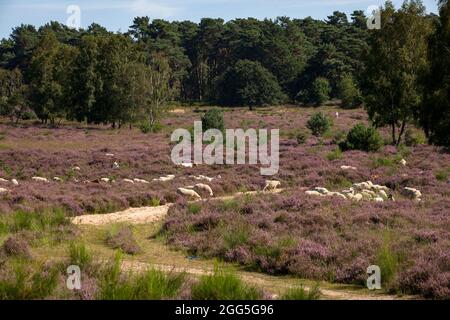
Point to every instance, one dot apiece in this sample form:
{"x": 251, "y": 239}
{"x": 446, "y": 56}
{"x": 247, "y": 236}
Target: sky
{"x": 117, "y": 15}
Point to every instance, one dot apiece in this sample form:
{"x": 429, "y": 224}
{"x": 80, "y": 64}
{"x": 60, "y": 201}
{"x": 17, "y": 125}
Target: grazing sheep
{"x": 361, "y": 186}
{"x": 76, "y": 169}
{"x": 357, "y": 197}
{"x": 116, "y": 165}
{"x": 372, "y": 194}
{"x": 383, "y": 194}
{"x": 187, "y": 165}
{"x": 57, "y": 179}
{"x": 107, "y": 180}
{"x": 202, "y": 177}
{"x": 337, "y": 194}
{"x": 189, "y": 193}
{"x": 109, "y": 154}
{"x": 128, "y": 181}
{"x": 412, "y": 193}
{"x": 337, "y": 114}
{"x": 348, "y": 168}
{"x": 379, "y": 188}
{"x": 40, "y": 179}
{"x": 313, "y": 193}
{"x": 166, "y": 178}
{"x": 321, "y": 190}
{"x": 205, "y": 187}
{"x": 141, "y": 181}
{"x": 271, "y": 185}
{"x": 378, "y": 199}
{"x": 3, "y": 190}
{"x": 4, "y": 180}
{"x": 15, "y": 182}
{"x": 403, "y": 162}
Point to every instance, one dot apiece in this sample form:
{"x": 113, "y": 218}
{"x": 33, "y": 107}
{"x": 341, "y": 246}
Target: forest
{"x": 399, "y": 73}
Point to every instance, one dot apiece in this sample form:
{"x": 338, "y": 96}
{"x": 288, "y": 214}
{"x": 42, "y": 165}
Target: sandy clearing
{"x": 145, "y": 215}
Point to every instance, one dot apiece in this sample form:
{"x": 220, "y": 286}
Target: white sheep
{"x": 128, "y": 181}
{"x": 313, "y": 193}
{"x": 107, "y": 180}
{"x": 76, "y": 169}
{"x": 321, "y": 190}
{"x": 141, "y": 181}
{"x": 383, "y": 194}
{"x": 57, "y": 179}
{"x": 109, "y": 154}
{"x": 357, "y": 197}
{"x": 378, "y": 199}
{"x": 187, "y": 165}
{"x": 271, "y": 185}
{"x": 403, "y": 162}
{"x": 40, "y": 179}
{"x": 337, "y": 194}
{"x": 4, "y": 180}
{"x": 205, "y": 187}
{"x": 189, "y": 193}
{"x": 166, "y": 178}
{"x": 412, "y": 193}
{"x": 116, "y": 165}
{"x": 3, "y": 190}
{"x": 15, "y": 182}
{"x": 348, "y": 168}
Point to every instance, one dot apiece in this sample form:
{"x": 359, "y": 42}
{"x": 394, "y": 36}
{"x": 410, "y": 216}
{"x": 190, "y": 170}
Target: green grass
{"x": 41, "y": 220}
{"x": 223, "y": 285}
{"x": 149, "y": 285}
{"x": 387, "y": 260}
{"x": 237, "y": 236}
{"x": 378, "y": 162}
{"x": 227, "y": 205}
{"x": 80, "y": 255}
{"x": 194, "y": 208}
{"x": 300, "y": 293}
{"x": 336, "y": 154}
{"x": 442, "y": 175}
{"x": 27, "y": 281}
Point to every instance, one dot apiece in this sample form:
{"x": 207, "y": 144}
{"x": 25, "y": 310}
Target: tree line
{"x": 398, "y": 72}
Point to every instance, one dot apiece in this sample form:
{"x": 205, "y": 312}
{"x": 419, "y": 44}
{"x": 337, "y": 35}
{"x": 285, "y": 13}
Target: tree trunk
{"x": 401, "y": 132}
{"x": 394, "y": 140}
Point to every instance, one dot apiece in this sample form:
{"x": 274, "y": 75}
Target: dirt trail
{"x": 272, "y": 284}
{"x": 144, "y": 215}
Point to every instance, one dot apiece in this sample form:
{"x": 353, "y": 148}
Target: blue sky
{"x": 118, "y": 14}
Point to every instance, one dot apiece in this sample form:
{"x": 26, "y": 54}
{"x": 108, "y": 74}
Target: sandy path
{"x": 263, "y": 280}
{"x": 142, "y": 215}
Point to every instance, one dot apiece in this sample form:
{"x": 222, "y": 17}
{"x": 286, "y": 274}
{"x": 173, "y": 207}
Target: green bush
{"x": 362, "y": 138}
{"x": 223, "y": 285}
{"x": 145, "y": 127}
{"x": 213, "y": 119}
{"x": 414, "y": 138}
{"x": 441, "y": 175}
{"x": 334, "y": 155}
{"x": 301, "y": 138}
{"x": 349, "y": 92}
{"x": 318, "y": 124}
{"x": 319, "y": 92}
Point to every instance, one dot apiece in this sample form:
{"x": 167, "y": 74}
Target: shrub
{"x": 334, "y": 155}
{"x": 223, "y": 285}
{"x": 194, "y": 208}
{"x": 300, "y": 293}
{"x": 301, "y": 138}
{"x": 123, "y": 239}
{"x": 79, "y": 255}
{"x": 147, "y": 128}
{"x": 319, "y": 92}
{"x": 14, "y": 246}
{"x": 213, "y": 119}
{"x": 441, "y": 175}
{"x": 318, "y": 124}
{"x": 362, "y": 138}
{"x": 349, "y": 92}
{"x": 248, "y": 83}
{"x": 414, "y": 138}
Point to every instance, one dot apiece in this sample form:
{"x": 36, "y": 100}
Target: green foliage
{"x": 336, "y": 154}
{"x": 300, "y": 293}
{"x": 387, "y": 260}
{"x": 319, "y": 123}
{"x": 194, "y": 208}
{"x": 150, "y": 285}
{"x": 349, "y": 92}
{"x": 442, "y": 175}
{"x": 213, "y": 119}
{"x": 223, "y": 285}
{"x": 414, "y": 138}
{"x": 27, "y": 281}
{"x": 301, "y": 138}
{"x": 80, "y": 255}
{"x": 248, "y": 83}
{"x": 362, "y": 138}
